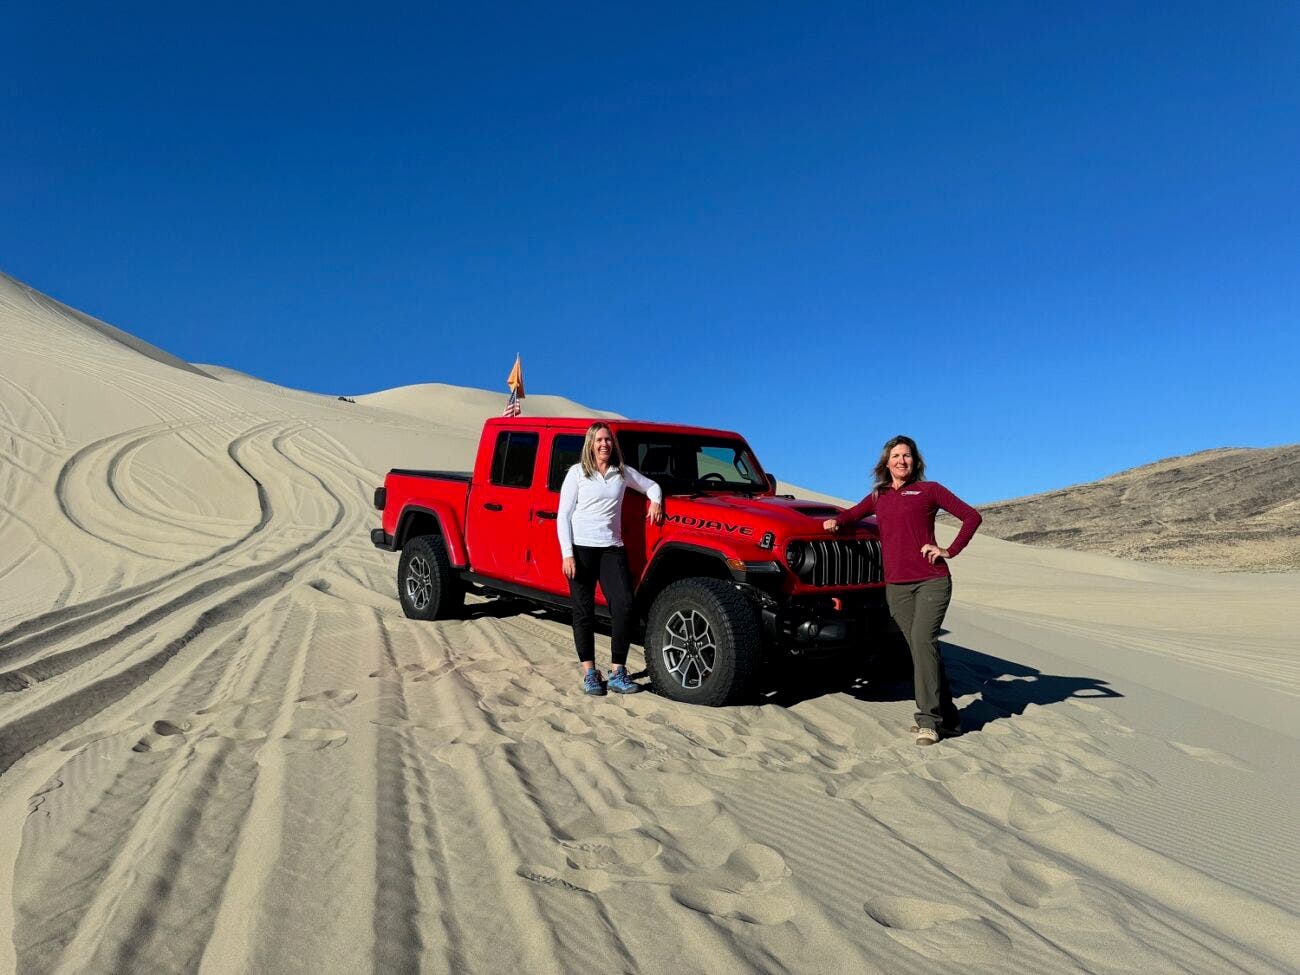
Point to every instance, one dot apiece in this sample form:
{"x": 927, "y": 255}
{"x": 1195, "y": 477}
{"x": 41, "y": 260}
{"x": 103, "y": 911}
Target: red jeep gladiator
{"x": 735, "y": 574}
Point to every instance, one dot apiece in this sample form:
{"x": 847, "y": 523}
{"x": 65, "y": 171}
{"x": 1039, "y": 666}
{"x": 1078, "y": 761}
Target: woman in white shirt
{"x": 590, "y": 526}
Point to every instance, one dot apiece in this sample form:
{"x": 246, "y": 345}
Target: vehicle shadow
{"x": 1005, "y": 688}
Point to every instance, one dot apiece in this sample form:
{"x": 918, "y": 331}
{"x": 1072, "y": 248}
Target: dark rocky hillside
{"x": 1232, "y": 508}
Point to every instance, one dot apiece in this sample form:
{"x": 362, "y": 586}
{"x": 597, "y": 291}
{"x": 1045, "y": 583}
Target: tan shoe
{"x": 927, "y": 736}
{"x": 943, "y": 732}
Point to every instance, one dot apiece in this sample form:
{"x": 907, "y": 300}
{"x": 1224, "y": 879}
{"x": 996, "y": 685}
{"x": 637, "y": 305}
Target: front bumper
{"x": 819, "y": 626}
{"x": 381, "y": 539}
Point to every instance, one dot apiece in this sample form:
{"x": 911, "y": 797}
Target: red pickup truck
{"x": 734, "y": 575}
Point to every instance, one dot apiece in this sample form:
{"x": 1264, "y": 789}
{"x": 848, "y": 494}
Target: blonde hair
{"x": 588, "y": 459}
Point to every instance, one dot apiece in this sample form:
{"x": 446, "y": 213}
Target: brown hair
{"x": 588, "y": 458}
{"x": 883, "y": 478}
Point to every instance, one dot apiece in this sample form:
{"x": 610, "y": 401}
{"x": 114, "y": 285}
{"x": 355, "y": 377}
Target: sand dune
{"x": 224, "y": 749}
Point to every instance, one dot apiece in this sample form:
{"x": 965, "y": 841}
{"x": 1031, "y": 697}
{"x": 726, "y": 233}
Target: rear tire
{"x": 702, "y": 642}
{"x": 427, "y": 584}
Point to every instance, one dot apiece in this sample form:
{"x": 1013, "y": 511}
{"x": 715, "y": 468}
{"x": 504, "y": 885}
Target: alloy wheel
{"x": 419, "y": 583}
{"x": 689, "y": 650}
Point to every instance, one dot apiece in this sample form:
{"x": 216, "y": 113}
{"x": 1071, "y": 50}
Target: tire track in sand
{"x": 148, "y": 893}
{"x": 64, "y": 622}
{"x": 108, "y": 670}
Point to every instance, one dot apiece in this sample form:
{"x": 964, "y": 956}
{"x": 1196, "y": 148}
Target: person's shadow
{"x": 1005, "y": 688}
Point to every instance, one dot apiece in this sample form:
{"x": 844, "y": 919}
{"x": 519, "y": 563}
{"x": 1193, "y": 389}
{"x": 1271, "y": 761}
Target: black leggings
{"x": 609, "y": 567}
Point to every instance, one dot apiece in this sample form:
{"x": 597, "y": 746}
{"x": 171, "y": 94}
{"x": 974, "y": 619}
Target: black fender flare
{"x": 455, "y": 546}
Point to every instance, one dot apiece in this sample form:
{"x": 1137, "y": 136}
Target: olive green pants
{"x": 918, "y": 609}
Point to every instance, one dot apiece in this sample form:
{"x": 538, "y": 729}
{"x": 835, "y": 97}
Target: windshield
{"x": 683, "y": 464}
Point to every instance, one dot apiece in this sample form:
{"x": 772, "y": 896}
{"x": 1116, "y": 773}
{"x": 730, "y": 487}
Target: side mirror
{"x": 771, "y": 483}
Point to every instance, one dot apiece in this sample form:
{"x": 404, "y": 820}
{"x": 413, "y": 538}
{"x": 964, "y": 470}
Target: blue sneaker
{"x": 621, "y": 683}
{"x": 591, "y": 682}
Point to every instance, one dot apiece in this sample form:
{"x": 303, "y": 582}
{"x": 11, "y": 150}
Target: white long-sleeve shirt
{"x": 591, "y": 508}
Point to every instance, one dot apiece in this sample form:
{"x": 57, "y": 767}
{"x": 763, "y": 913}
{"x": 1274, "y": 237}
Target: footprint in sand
{"x": 947, "y": 769}
{"x": 1007, "y": 804}
{"x": 591, "y": 843}
{"x": 37, "y": 799}
{"x": 1112, "y": 725}
{"x": 328, "y": 699}
{"x": 17, "y": 680}
{"x": 598, "y": 824}
{"x": 613, "y": 849}
{"x": 313, "y": 739}
{"x": 416, "y": 674}
{"x": 209, "y": 727}
{"x": 680, "y": 804}
{"x": 586, "y": 881}
{"x": 606, "y": 840}
{"x": 1033, "y": 884}
{"x": 163, "y": 736}
{"x": 746, "y": 887}
{"x": 1211, "y": 756}
{"x": 939, "y": 930}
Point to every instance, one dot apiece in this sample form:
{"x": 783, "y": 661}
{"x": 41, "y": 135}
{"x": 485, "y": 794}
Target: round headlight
{"x": 798, "y": 556}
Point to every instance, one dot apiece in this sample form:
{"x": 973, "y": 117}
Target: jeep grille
{"x": 840, "y": 562}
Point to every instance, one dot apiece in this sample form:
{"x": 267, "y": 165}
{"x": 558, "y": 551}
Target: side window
{"x": 512, "y": 464}
{"x": 663, "y": 461}
{"x": 565, "y": 452}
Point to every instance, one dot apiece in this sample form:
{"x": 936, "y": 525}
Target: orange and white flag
{"x": 516, "y": 383}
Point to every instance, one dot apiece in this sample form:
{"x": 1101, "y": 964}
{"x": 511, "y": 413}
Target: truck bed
{"x": 441, "y": 475}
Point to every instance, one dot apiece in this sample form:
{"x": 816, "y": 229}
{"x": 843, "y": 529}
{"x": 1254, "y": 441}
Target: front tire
{"x": 702, "y": 643}
{"x": 427, "y": 584}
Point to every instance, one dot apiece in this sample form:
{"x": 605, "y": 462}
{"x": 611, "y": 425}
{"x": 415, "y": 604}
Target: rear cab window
{"x": 514, "y": 459}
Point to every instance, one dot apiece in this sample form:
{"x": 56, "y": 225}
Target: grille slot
{"x": 844, "y": 562}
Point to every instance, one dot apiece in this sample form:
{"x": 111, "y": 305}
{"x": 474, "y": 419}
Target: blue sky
{"x": 1049, "y": 242}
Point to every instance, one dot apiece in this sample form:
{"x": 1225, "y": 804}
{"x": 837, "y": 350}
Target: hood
{"x": 786, "y": 516}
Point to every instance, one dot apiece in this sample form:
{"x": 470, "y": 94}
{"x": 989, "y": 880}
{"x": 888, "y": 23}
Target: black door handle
{"x": 492, "y": 507}
{"x": 547, "y": 515}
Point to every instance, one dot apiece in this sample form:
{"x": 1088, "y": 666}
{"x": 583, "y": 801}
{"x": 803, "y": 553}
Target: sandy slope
{"x": 229, "y": 751}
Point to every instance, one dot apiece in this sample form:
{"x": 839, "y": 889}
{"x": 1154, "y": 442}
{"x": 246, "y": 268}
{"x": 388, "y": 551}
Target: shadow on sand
{"x": 1005, "y": 688}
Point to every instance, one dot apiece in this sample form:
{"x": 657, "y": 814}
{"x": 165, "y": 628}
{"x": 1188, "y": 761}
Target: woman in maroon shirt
{"x": 917, "y": 584}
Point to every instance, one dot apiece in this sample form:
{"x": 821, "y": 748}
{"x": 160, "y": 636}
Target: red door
{"x": 500, "y": 509}
{"x": 561, "y": 452}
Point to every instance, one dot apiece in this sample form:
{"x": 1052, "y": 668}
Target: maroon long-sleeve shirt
{"x": 906, "y": 520}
